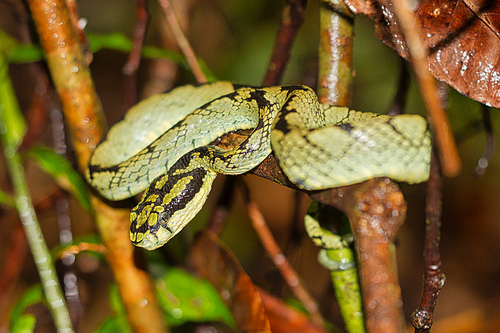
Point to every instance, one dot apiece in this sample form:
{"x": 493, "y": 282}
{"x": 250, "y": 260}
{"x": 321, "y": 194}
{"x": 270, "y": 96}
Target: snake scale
{"x": 163, "y": 145}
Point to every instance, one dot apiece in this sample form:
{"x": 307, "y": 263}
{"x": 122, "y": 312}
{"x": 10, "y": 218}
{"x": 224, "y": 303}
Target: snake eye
{"x": 163, "y": 217}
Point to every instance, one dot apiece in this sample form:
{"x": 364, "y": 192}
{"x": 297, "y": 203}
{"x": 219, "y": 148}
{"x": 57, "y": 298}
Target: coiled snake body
{"x": 163, "y": 145}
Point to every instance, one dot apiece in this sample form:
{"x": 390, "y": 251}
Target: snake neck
{"x": 170, "y": 202}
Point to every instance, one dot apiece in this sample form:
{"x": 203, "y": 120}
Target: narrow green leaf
{"x": 20, "y": 322}
{"x": 12, "y": 117}
{"x": 24, "y": 324}
{"x": 18, "y": 53}
{"x": 117, "y": 322}
{"x": 114, "y": 324}
{"x": 119, "y": 42}
{"x": 64, "y": 174}
{"x": 186, "y": 298}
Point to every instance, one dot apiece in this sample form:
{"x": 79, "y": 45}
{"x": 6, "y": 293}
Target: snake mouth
{"x": 154, "y": 240}
{"x": 150, "y": 242}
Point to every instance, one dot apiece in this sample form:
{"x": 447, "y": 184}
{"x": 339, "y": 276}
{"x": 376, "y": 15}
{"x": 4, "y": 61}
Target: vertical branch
{"x": 134, "y": 58}
{"x": 434, "y": 279}
{"x": 370, "y": 205}
{"x": 447, "y": 149}
{"x": 335, "y": 53}
{"x": 83, "y": 113}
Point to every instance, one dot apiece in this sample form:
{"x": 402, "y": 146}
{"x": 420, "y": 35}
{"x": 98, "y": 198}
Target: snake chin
{"x": 152, "y": 241}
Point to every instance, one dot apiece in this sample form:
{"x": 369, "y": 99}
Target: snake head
{"x": 149, "y": 227}
{"x": 169, "y": 204}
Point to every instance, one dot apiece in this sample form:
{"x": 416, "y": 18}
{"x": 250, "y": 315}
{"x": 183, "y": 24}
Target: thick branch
{"x": 83, "y": 112}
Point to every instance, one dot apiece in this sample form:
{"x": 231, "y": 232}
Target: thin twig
{"x": 400, "y": 98}
{"x": 287, "y": 271}
{"x": 134, "y": 57}
{"x": 434, "y": 279}
{"x": 291, "y": 21}
{"x": 447, "y": 149}
{"x": 184, "y": 45}
{"x": 483, "y": 162}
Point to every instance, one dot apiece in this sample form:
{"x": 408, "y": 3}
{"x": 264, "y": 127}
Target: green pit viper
{"x": 163, "y": 145}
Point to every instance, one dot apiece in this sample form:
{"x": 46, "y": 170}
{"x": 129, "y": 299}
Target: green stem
{"x": 39, "y": 250}
{"x": 346, "y": 286}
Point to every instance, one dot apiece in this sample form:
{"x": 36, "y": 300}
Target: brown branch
{"x": 15, "y": 255}
{"x": 134, "y": 58}
{"x": 184, "y": 45}
{"x": 291, "y": 21}
{"x": 287, "y": 271}
{"x": 376, "y": 209}
{"x": 434, "y": 279}
{"x": 400, "y": 98}
{"x": 447, "y": 149}
{"x": 83, "y": 113}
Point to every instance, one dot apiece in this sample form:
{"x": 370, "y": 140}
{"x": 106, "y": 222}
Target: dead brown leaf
{"x": 462, "y": 36}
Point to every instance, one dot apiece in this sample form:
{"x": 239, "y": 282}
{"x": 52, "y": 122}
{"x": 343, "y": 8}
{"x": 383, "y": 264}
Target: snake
{"x": 163, "y": 148}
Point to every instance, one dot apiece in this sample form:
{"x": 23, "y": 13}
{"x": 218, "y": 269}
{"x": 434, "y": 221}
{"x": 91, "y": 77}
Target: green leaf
{"x": 114, "y": 324}
{"x": 117, "y": 322}
{"x": 64, "y": 174}
{"x": 184, "y": 297}
{"x": 18, "y": 53}
{"x": 6, "y": 199}
{"x": 20, "y": 322}
{"x": 115, "y": 300}
{"x": 12, "y": 125}
{"x": 119, "y": 42}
